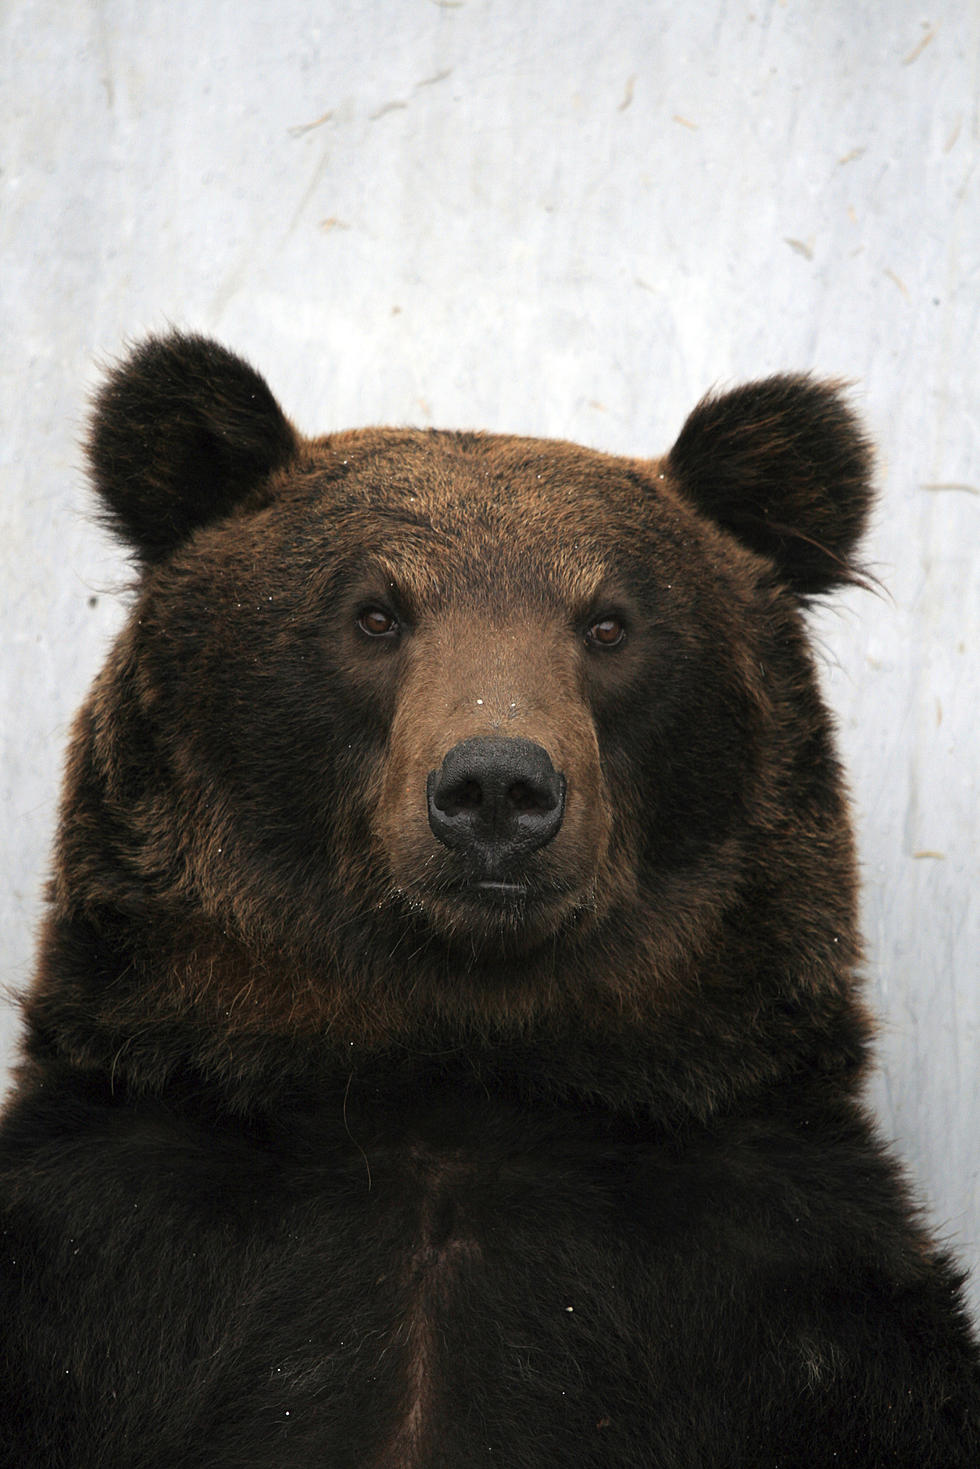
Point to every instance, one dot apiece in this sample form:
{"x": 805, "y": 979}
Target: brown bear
{"x": 445, "y": 1048}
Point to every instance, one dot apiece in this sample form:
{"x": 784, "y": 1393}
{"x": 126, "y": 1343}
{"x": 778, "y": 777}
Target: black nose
{"x": 496, "y": 800}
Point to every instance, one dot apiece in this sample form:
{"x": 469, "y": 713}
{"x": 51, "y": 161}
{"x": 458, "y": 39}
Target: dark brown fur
{"x": 621, "y": 1074}
{"x": 499, "y": 550}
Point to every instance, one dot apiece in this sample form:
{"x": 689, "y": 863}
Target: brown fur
{"x": 446, "y": 1039}
{"x": 499, "y": 551}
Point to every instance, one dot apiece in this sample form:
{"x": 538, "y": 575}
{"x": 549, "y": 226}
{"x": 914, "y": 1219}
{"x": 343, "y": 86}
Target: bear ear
{"x": 784, "y": 466}
{"x": 182, "y": 432}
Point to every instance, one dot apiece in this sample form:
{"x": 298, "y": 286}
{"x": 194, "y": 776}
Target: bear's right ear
{"x": 182, "y": 432}
{"x": 784, "y": 466}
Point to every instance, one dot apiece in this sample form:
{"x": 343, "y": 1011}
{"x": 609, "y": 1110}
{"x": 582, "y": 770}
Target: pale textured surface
{"x": 562, "y": 218}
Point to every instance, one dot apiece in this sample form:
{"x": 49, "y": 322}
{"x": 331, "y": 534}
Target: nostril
{"x": 470, "y": 795}
{"x": 523, "y": 798}
{"x": 453, "y": 796}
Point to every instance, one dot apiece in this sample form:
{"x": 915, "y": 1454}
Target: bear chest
{"x": 461, "y": 1284}
{"x": 410, "y": 1295}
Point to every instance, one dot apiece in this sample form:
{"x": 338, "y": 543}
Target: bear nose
{"x": 496, "y": 800}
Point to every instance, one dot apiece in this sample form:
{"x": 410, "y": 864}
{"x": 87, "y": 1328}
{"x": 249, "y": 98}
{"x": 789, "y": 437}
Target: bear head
{"x": 425, "y": 742}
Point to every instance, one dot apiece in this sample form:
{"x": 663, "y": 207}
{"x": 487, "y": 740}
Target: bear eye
{"x": 377, "y": 623}
{"x": 607, "y": 632}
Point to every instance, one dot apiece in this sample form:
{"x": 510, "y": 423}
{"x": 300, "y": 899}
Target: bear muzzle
{"x": 495, "y": 801}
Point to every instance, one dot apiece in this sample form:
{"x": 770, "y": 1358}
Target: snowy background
{"x": 559, "y": 218}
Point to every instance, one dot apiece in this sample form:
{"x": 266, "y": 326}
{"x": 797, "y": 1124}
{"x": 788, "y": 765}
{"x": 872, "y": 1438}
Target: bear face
{"x": 418, "y": 737}
{"x": 475, "y": 610}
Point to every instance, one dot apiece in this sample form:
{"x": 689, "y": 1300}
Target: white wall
{"x": 562, "y": 218}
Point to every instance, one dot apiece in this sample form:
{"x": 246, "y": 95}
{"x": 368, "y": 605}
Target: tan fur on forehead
{"x": 428, "y": 470}
{"x": 488, "y": 577}
{"x": 462, "y": 508}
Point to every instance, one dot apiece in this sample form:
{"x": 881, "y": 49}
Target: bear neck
{"x": 151, "y": 1007}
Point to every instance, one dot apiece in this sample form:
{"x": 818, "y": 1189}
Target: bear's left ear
{"x": 182, "y": 432}
{"x": 784, "y": 466}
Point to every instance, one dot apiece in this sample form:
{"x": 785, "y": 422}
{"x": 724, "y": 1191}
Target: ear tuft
{"x": 183, "y": 431}
{"x": 785, "y": 467}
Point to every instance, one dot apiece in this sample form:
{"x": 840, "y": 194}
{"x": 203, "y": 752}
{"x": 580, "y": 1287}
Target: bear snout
{"x": 491, "y": 817}
{"x": 496, "y": 800}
